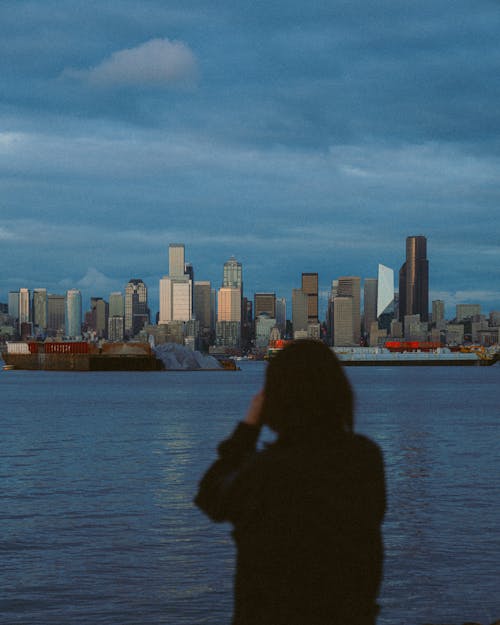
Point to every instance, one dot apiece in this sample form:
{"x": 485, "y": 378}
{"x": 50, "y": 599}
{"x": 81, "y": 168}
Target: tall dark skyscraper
{"x": 414, "y": 280}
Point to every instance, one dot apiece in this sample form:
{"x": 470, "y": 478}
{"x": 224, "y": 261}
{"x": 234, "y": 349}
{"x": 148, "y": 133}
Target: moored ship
{"x": 403, "y": 353}
{"x": 80, "y": 356}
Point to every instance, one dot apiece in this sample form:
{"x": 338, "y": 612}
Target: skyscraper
{"x": 310, "y": 288}
{"x": 176, "y": 262}
{"x": 56, "y": 314}
{"x": 350, "y": 286}
{"x": 233, "y": 274}
{"x": 414, "y": 279}
{"x": 343, "y": 330}
{"x": 136, "y": 306}
{"x": 370, "y": 303}
{"x": 176, "y": 289}
{"x": 202, "y": 308}
{"x": 24, "y": 307}
{"x": 229, "y": 304}
{"x": 265, "y": 303}
{"x": 40, "y": 309}
{"x": 73, "y": 317}
{"x": 437, "y": 311}
{"x": 281, "y": 314}
{"x": 299, "y": 310}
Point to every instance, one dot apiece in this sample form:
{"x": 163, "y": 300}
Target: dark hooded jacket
{"x": 306, "y": 516}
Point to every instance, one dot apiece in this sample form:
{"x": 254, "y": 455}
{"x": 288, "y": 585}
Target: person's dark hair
{"x": 307, "y": 393}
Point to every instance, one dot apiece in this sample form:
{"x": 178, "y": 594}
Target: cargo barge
{"x": 401, "y": 353}
{"x": 80, "y": 356}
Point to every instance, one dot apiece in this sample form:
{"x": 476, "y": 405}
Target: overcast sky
{"x": 295, "y": 136}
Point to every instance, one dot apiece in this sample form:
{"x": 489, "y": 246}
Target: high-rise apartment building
{"x": 310, "y": 287}
{"x": 136, "y": 306}
{"x": 265, "y": 303}
{"x": 73, "y": 317}
{"x": 414, "y": 280}
{"x": 350, "y": 286}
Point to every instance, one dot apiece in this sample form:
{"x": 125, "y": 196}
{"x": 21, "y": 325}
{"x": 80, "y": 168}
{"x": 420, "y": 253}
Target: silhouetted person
{"x": 307, "y": 509}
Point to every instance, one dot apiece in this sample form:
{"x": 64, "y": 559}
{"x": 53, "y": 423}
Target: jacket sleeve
{"x": 215, "y": 496}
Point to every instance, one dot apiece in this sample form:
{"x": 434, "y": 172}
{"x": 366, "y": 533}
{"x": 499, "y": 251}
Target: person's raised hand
{"x": 254, "y": 413}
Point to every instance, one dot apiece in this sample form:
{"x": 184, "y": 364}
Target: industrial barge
{"x": 409, "y": 353}
{"x": 80, "y": 356}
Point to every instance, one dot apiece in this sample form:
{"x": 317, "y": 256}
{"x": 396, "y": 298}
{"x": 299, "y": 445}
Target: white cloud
{"x": 158, "y": 62}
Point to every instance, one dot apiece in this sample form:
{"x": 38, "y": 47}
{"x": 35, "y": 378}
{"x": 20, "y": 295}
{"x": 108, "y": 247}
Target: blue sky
{"x": 297, "y": 136}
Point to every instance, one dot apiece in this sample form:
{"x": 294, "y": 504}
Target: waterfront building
{"x": 455, "y": 333}
{"x": 40, "y": 309}
{"x": 228, "y": 333}
{"x": 414, "y": 328}
{"x": 56, "y": 315}
{"x": 350, "y": 286}
{"x": 414, "y": 279}
{"x": 265, "y": 303}
{"x": 73, "y": 317}
{"x": 494, "y": 318}
{"x": 263, "y": 326}
{"x": 343, "y": 328}
{"x": 310, "y": 288}
{"x": 467, "y": 311}
{"x": 300, "y": 302}
{"x": 370, "y": 287}
{"x": 437, "y": 311}
{"x": 396, "y": 329}
{"x": 136, "y": 307}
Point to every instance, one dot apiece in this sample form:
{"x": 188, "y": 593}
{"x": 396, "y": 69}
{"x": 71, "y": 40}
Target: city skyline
{"x": 154, "y": 289}
{"x": 297, "y": 140}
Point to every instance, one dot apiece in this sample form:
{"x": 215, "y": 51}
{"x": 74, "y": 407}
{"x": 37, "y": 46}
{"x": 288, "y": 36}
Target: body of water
{"x": 98, "y": 472}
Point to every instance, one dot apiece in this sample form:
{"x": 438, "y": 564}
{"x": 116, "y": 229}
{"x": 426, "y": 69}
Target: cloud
{"x": 155, "y": 63}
